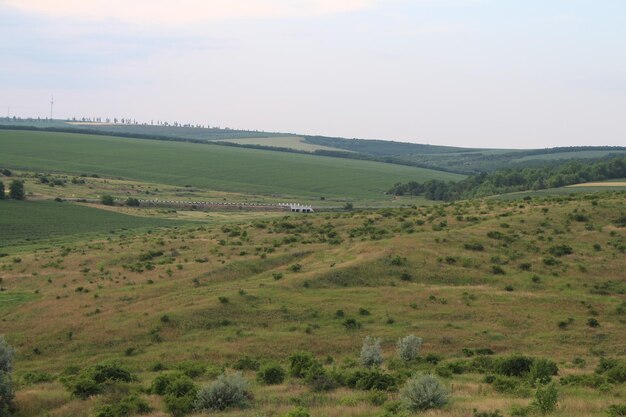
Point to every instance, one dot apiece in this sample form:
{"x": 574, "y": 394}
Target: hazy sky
{"x": 490, "y": 73}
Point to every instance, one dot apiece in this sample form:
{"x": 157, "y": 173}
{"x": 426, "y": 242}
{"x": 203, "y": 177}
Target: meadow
{"x": 211, "y": 167}
{"x": 479, "y": 281}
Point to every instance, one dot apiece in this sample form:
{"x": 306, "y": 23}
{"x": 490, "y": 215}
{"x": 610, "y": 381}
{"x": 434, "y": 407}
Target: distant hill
{"x": 444, "y": 158}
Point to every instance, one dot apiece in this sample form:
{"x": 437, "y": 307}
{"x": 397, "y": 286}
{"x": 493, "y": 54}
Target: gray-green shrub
{"x": 227, "y": 391}
{"x": 424, "y": 392}
{"x": 408, "y": 347}
{"x": 371, "y": 353}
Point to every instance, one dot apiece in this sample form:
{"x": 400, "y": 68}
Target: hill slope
{"x": 212, "y": 167}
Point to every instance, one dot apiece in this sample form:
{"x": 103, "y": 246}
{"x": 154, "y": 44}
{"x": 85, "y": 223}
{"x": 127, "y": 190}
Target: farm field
{"x": 570, "y": 155}
{"x": 26, "y": 222}
{"x": 291, "y": 142}
{"x": 203, "y": 166}
{"x": 502, "y": 277}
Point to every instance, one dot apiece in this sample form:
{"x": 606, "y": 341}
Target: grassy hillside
{"x": 204, "y": 166}
{"x": 542, "y": 278}
{"x": 24, "y": 222}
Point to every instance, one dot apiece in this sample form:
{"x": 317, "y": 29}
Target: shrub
{"x": 16, "y": 190}
{"x": 351, "y": 324}
{"x": 2, "y": 194}
{"x": 246, "y": 364}
{"x": 300, "y": 363}
{"x": 178, "y": 390}
{"x": 616, "y": 410}
{"x": 373, "y": 379}
{"x": 542, "y": 371}
{"x": 371, "y": 353}
{"x": 191, "y": 369}
{"x": 510, "y": 385}
{"x": 515, "y": 365}
{"x": 271, "y": 374}
{"x": 423, "y": 393}
{"x": 6, "y": 356}
{"x": 123, "y": 408}
{"x": 107, "y": 200}
{"x": 6, "y": 394}
{"x": 408, "y": 347}
{"x": 592, "y": 322}
{"x": 132, "y": 202}
{"x": 546, "y": 398}
{"x": 495, "y": 413}
{"x": 319, "y": 379}
{"x": 560, "y": 250}
{"x": 298, "y": 412}
{"x": 91, "y": 381}
{"x": 228, "y": 391}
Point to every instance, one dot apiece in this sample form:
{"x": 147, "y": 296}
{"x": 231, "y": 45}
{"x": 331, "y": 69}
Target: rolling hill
{"x": 210, "y": 167}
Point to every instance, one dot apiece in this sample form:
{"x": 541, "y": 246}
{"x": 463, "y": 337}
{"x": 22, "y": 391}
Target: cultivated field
{"x": 205, "y": 166}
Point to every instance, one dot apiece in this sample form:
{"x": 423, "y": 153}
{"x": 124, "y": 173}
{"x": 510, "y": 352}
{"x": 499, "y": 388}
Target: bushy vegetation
{"x": 424, "y": 392}
{"x": 6, "y": 383}
{"x": 271, "y": 374}
{"x": 516, "y": 179}
{"x": 227, "y": 391}
{"x": 95, "y": 379}
{"x": 371, "y": 352}
{"x": 408, "y": 347}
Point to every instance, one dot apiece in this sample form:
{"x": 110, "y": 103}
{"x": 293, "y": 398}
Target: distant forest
{"x": 517, "y": 179}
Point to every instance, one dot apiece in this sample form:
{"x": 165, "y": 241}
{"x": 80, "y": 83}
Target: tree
{"x": 107, "y": 200}
{"x": 16, "y": 190}
{"x": 2, "y": 194}
{"x": 6, "y": 384}
{"x": 132, "y": 202}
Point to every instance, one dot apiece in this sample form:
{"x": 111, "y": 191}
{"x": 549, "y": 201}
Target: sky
{"x": 473, "y": 73}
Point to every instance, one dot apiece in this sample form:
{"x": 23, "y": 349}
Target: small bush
{"x": 546, "y": 398}
{"x": 298, "y": 412}
{"x": 542, "y": 371}
{"x": 371, "y": 353}
{"x": 125, "y": 407}
{"x": 271, "y": 374}
{"x": 515, "y": 365}
{"x": 616, "y": 410}
{"x": 408, "y": 347}
{"x": 107, "y": 200}
{"x": 300, "y": 363}
{"x": 424, "y": 392}
{"x": 246, "y": 364}
{"x": 227, "y": 392}
{"x": 560, "y": 250}
{"x": 351, "y": 324}
{"x": 374, "y": 379}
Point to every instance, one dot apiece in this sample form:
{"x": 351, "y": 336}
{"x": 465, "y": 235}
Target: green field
{"x": 24, "y": 222}
{"x": 204, "y": 166}
{"x": 569, "y": 155}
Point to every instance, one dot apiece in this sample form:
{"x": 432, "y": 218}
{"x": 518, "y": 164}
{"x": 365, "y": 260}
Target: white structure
{"x": 297, "y": 208}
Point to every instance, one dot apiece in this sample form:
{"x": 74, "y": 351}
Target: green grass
{"x": 25, "y": 222}
{"x": 211, "y": 167}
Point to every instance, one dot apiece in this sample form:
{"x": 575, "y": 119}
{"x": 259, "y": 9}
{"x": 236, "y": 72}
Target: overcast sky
{"x": 479, "y": 73}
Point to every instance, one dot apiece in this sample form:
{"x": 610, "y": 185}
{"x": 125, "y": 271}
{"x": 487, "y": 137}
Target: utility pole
{"x": 51, "y": 105}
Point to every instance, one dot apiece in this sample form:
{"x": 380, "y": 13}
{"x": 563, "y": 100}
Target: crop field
{"x": 292, "y": 142}
{"x": 24, "y": 222}
{"x": 569, "y": 155}
{"x": 204, "y": 166}
{"x": 478, "y": 281}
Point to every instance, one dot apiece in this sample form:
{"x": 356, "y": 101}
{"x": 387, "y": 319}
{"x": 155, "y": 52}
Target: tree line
{"x": 517, "y": 179}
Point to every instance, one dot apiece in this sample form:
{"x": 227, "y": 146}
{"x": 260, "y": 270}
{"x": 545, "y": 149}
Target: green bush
{"x": 374, "y": 379}
{"x": 546, "y": 398}
{"x": 300, "y": 363}
{"x": 271, "y": 374}
{"x": 246, "y": 363}
{"x": 125, "y": 407}
{"x": 91, "y": 381}
{"x": 226, "y": 392}
{"x": 542, "y": 371}
{"x": 424, "y": 392}
{"x": 107, "y": 200}
{"x": 298, "y": 412}
{"x": 616, "y": 410}
{"x": 191, "y": 369}
{"x": 515, "y": 365}
{"x": 178, "y": 391}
